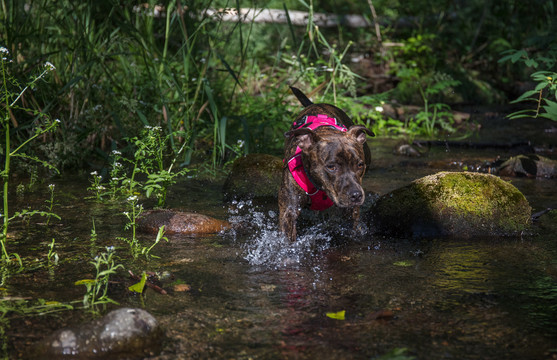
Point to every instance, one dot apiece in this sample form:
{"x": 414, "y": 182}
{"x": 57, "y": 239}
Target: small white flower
{"x": 132, "y": 198}
{"x": 100, "y": 187}
{"x": 117, "y": 164}
{"x": 94, "y": 173}
{"x": 51, "y": 186}
{"x": 379, "y": 109}
{"x": 115, "y": 179}
{"x": 110, "y": 248}
{"x": 49, "y": 65}
{"x": 57, "y": 121}
{"x": 116, "y": 152}
{"x": 126, "y": 213}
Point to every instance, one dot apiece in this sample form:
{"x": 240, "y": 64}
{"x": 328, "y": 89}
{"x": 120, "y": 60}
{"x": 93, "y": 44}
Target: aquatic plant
{"x": 50, "y": 202}
{"x": 149, "y": 159}
{"x": 97, "y": 289}
{"x": 12, "y": 93}
{"x": 147, "y": 250}
{"x": 52, "y": 255}
{"x": 136, "y": 248}
{"x": 135, "y": 210}
{"x": 96, "y": 186}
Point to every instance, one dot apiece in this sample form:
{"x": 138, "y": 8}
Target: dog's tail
{"x": 301, "y": 97}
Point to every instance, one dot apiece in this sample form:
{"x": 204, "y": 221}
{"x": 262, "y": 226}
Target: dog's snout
{"x": 356, "y": 197}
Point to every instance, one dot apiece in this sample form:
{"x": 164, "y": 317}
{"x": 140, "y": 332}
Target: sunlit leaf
{"x": 404, "y": 263}
{"x": 138, "y": 288}
{"x": 336, "y": 315}
{"x": 85, "y": 282}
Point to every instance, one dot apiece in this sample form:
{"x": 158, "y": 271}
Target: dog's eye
{"x": 360, "y": 165}
{"x": 332, "y": 167}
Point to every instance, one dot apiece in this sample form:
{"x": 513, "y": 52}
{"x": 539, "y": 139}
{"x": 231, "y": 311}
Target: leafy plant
{"x": 50, "y": 202}
{"x": 147, "y": 250}
{"x": 135, "y": 210}
{"x": 149, "y": 160}
{"x": 52, "y": 255}
{"x": 433, "y": 115}
{"x": 546, "y": 84}
{"x": 97, "y": 288}
{"x": 546, "y": 88}
{"x": 12, "y": 93}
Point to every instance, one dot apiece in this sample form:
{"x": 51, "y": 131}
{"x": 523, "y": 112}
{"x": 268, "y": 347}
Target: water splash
{"x": 266, "y": 246}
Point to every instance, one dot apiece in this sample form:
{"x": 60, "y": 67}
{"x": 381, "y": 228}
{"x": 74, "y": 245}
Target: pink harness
{"x": 319, "y": 199}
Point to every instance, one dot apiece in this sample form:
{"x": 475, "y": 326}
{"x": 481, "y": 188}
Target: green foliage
{"x": 138, "y": 287}
{"x": 135, "y": 210}
{"x": 12, "y": 99}
{"x": 546, "y": 84}
{"x": 52, "y": 255}
{"x": 436, "y": 114}
{"x": 97, "y": 289}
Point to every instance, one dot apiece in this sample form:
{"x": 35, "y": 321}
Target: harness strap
{"x": 319, "y": 199}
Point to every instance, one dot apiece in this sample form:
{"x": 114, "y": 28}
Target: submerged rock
{"x": 179, "y": 222}
{"x": 254, "y": 176}
{"x": 528, "y": 165}
{"x": 547, "y": 221}
{"x": 460, "y": 204}
{"x": 122, "y": 334}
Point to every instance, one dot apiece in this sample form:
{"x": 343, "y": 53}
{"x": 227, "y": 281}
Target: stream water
{"x": 252, "y": 295}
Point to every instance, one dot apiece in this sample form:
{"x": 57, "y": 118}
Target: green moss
{"x": 460, "y": 203}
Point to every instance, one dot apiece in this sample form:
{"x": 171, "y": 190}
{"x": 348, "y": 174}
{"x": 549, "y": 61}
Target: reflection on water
{"x": 255, "y": 295}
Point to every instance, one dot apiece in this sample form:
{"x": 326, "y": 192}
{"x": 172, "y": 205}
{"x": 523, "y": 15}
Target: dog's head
{"x": 335, "y": 161}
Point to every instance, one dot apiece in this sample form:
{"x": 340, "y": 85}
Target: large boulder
{"x": 179, "y": 222}
{"x": 460, "y": 204}
{"x": 254, "y": 176}
{"x": 122, "y": 334}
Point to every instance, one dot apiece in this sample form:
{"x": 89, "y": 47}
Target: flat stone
{"x": 180, "y": 222}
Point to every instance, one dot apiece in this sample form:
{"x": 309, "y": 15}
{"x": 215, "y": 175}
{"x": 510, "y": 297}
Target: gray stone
{"x": 121, "y": 334}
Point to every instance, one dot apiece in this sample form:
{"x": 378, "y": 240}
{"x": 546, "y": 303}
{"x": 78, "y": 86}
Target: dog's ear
{"x": 359, "y": 133}
{"x": 305, "y": 137}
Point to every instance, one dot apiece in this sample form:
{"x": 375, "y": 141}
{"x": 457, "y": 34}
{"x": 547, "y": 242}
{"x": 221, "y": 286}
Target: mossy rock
{"x": 460, "y": 204}
{"x": 180, "y": 222}
{"x": 254, "y": 176}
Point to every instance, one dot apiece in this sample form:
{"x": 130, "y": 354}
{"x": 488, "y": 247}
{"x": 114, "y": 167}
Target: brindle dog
{"x": 334, "y": 158}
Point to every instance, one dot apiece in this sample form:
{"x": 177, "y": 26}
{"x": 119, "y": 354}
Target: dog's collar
{"x": 319, "y": 199}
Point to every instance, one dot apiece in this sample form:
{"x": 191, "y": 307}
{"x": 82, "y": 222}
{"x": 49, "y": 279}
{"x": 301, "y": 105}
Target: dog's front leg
{"x": 290, "y": 203}
{"x": 287, "y": 221}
